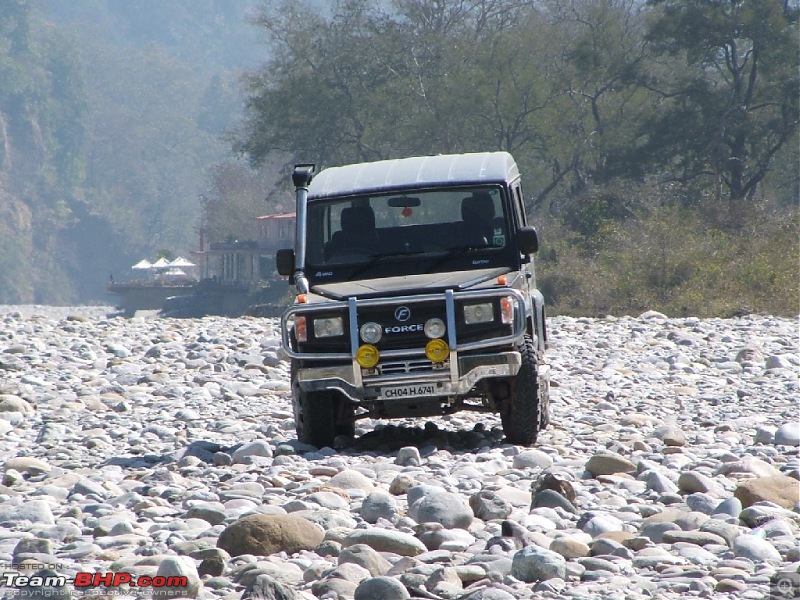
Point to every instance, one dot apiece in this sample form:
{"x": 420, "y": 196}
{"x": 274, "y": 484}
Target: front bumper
{"x": 456, "y": 376}
{"x": 471, "y": 369}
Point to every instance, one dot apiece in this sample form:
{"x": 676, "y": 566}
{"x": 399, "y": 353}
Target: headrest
{"x": 478, "y": 206}
{"x": 358, "y": 218}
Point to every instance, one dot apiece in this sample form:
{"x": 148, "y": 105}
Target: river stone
{"x": 487, "y": 505}
{"x": 178, "y": 566}
{"x": 365, "y": 556}
{"x": 730, "y": 506}
{"x": 379, "y": 505}
{"x": 569, "y": 547}
{"x": 10, "y": 403}
{"x": 35, "y": 511}
{"x": 385, "y": 540}
{"x": 749, "y": 465}
{"x": 265, "y": 587}
{"x": 671, "y": 435}
{"x": 28, "y": 464}
{"x": 778, "y": 489}
{"x": 700, "y": 538}
{"x": 408, "y": 457}
{"x": 655, "y": 531}
{"x": 532, "y": 459}
{"x": 658, "y": 482}
{"x": 788, "y": 435}
{"x": 552, "y": 499}
{"x": 350, "y": 479}
{"x": 537, "y": 564}
{"x": 252, "y": 449}
{"x": 381, "y": 588}
{"x": 263, "y": 535}
{"x": 691, "y": 482}
{"x": 420, "y": 491}
{"x": 448, "y": 509}
{"x": 607, "y": 463}
{"x": 756, "y": 549}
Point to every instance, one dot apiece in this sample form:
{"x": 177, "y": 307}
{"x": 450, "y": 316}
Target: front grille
{"x": 402, "y": 367}
{"x": 384, "y": 315}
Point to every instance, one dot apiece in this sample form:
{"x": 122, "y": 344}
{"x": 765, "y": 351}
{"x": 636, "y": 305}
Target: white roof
{"x": 143, "y": 264}
{"x": 161, "y": 263}
{"x": 181, "y": 262}
{"x": 414, "y": 172}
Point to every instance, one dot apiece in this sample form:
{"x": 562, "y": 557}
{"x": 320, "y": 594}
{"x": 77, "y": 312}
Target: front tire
{"x": 320, "y": 416}
{"x": 525, "y": 411}
{"x": 315, "y": 418}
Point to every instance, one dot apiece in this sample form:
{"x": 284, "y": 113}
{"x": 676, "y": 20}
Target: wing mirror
{"x": 284, "y": 260}
{"x": 528, "y": 240}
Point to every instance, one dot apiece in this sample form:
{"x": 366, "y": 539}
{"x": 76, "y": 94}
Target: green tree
{"x": 732, "y": 103}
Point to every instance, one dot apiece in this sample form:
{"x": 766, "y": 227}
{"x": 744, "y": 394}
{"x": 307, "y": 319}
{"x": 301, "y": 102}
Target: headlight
{"x": 478, "y": 313}
{"x": 330, "y": 327}
{"x": 371, "y": 332}
{"x": 434, "y": 328}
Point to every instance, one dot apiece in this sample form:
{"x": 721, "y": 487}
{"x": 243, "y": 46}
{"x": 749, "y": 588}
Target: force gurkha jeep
{"x": 416, "y": 296}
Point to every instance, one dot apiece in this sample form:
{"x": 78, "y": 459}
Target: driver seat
{"x": 477, "y": 219}
{"x": 357, "y": 231}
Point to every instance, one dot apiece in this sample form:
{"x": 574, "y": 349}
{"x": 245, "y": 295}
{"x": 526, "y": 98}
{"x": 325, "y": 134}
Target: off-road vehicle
{"x": 416, "y": 296}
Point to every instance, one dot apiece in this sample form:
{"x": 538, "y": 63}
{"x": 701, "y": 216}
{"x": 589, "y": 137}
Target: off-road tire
{"x": 314, "y": 416}
{"x": 320, "y": 416}
{"x": 522, "y": 412}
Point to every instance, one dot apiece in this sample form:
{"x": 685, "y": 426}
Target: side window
{"x": 520, "y": 205}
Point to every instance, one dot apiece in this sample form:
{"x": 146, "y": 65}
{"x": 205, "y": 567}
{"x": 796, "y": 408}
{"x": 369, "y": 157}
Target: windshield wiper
{"x": 394, "y": 256}
{"x": 376, "y": 258}
{"x": 451, "y": 252}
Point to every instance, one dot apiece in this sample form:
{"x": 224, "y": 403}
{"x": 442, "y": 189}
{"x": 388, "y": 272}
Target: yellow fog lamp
{"x": 367, "y": 356}
{"x": 437, "y": 350}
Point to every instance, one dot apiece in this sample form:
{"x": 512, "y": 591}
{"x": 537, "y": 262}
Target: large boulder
{"x": 778, "y": 489}
{"x": 263, "y": 535}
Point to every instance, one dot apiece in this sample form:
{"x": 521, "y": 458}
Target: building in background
{"x": 248, "y": 262}
{"x": 232, "y": 276}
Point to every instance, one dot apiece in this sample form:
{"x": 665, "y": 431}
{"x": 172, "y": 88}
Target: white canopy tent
{"x": 143, "y": 264}
{"x": 181, "y": 262}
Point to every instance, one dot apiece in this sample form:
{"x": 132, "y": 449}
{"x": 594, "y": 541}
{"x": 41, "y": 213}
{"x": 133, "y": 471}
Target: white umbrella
{"x": 161, "y": 263}
{"x": 181, "y": 262}
{"x": 143, "y": 264}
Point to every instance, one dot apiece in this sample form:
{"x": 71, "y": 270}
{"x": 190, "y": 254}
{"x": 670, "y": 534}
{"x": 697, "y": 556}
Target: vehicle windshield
{"x": 403, "y": 233}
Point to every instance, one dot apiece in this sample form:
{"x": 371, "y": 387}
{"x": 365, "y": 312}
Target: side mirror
{"x": 284, "y": 260}
{"x": 527, "y": 240}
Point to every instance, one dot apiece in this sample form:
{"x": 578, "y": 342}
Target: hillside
{"x": 112, "y": 115}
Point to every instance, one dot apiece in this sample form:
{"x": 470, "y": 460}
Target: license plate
{"x": 408, "y": 391}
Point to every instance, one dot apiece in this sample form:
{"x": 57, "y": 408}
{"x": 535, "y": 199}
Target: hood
{"x": 426, "y": 283}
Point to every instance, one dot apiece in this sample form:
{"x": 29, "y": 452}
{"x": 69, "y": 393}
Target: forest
{"x": 658, "y": 140}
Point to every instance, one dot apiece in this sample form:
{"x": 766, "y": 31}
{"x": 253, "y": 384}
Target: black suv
{"x": 416, "y": 296}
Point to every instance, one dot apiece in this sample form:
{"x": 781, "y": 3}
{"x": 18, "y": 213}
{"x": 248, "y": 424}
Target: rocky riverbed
{"x": 167, "y": 447}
